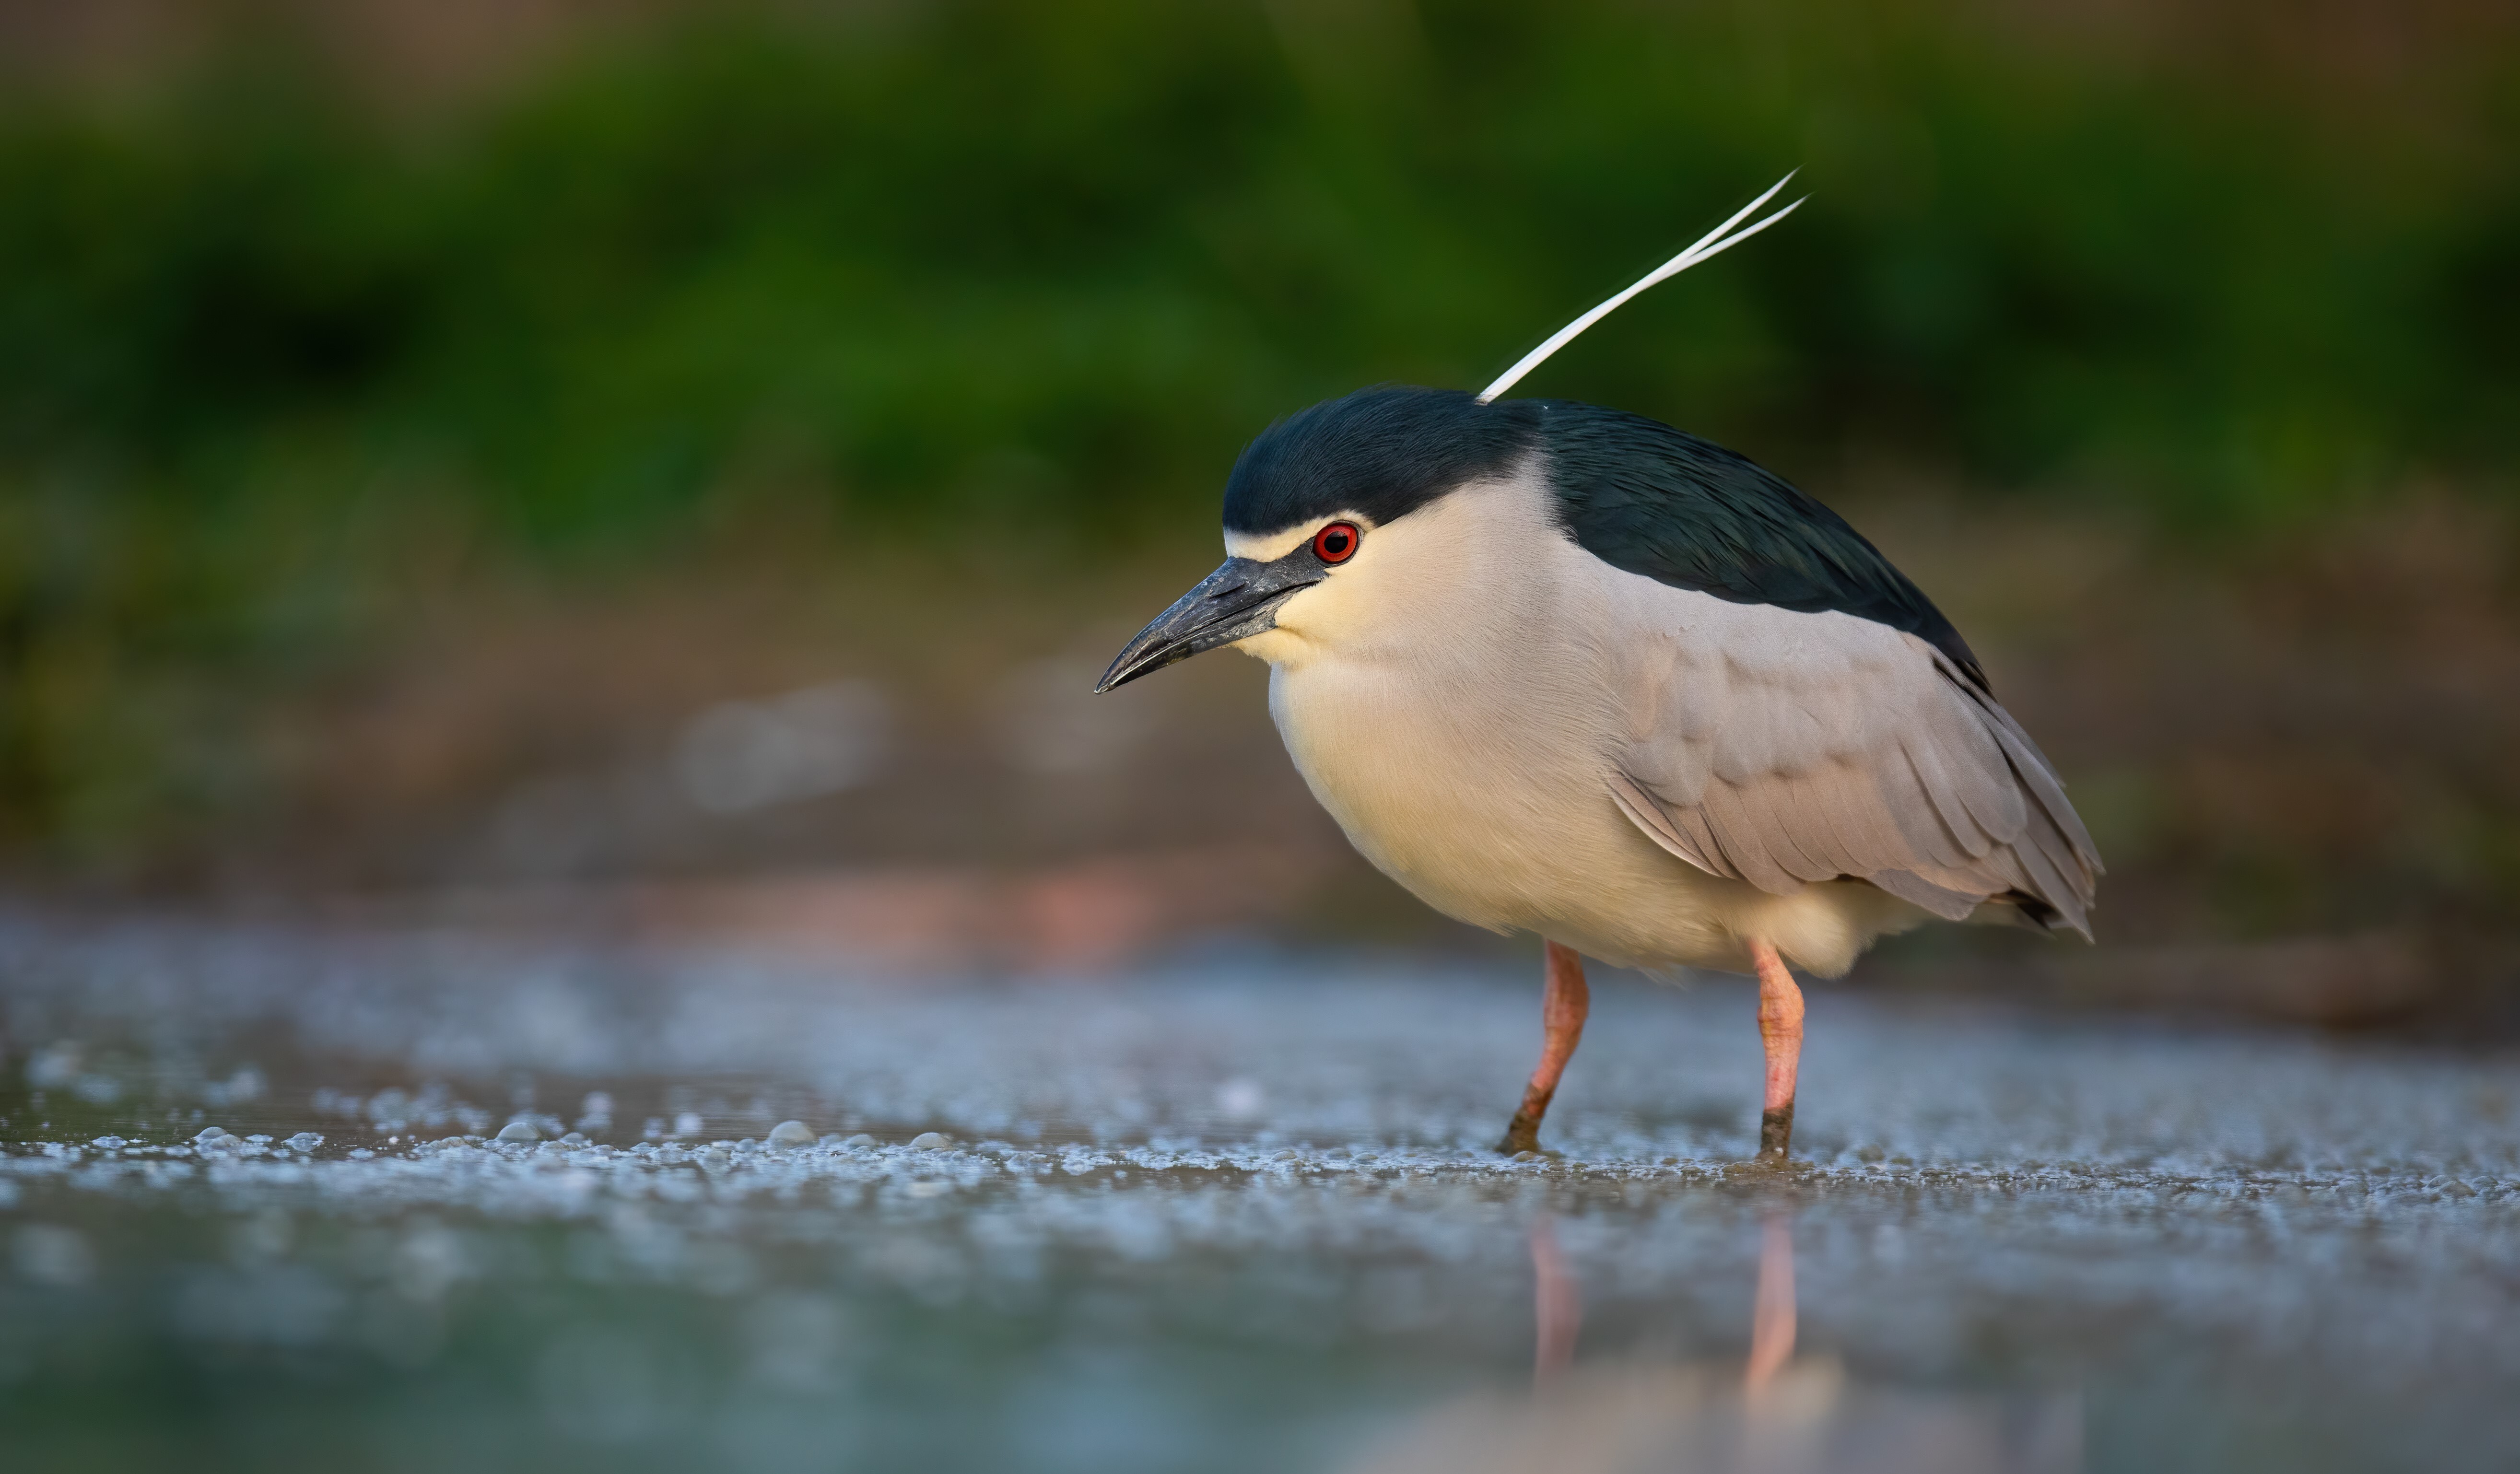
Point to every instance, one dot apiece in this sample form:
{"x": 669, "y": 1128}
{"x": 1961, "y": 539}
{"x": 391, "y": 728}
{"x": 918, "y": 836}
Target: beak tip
{"x": 1222, "y": 609}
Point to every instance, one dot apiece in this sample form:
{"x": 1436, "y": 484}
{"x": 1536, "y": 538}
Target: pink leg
{"x": 1557, "y": 1305}
{"x": 1781, "y": 1029}
{"x": 1772, "y": 1317}
{"x": 1563, "y": 1003}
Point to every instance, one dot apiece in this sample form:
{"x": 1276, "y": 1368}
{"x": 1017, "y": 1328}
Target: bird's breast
{"x": 1491, "y": 805}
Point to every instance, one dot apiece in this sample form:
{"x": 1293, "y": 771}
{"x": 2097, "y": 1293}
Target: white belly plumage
{"x": 1499, "y": 817}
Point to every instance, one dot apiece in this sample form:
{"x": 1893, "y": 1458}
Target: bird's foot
{"x": 1775, "y": 1133}
{"x": 1775, "y": 1142}
{"x": 1521, "y": 1135}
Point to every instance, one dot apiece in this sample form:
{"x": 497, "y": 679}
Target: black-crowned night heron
{"x": 1563, "y": 669}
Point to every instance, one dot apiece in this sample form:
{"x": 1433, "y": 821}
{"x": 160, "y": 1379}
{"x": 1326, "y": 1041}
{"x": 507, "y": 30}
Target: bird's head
{"x": 1324, "y": 513}
{"x": 1323, "y": 521}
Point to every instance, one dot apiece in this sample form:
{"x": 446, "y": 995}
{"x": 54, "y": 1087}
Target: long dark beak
{"x": 1235, "y": 602}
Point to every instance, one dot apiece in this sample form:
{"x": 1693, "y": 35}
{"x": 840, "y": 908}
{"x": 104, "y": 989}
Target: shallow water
{"x": 1230, "y": 1215}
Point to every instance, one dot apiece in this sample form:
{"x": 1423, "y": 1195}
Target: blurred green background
{"x": 414, "y": 418}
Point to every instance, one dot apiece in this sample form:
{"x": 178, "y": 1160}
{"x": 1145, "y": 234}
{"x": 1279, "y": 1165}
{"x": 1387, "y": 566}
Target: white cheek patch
{"x": 1269, "y": 547}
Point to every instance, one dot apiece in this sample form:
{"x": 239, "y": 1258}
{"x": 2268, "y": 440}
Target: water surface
{"x": 1235, "y": 1214}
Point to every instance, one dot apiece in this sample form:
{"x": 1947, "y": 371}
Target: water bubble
{"x": 791, "y": 1133}
{"x": 930, "y": 1140}
{"x": 518, "y": 1131}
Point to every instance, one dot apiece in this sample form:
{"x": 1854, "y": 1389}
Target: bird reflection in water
{"x": 1772, "y": 1312}
{"x": 1558, "y": 1306}
{"x": 1778, "y": 1415}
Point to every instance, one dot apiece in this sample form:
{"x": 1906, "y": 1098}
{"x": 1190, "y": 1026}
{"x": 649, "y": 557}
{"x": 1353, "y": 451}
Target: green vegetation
{"x": 1044, "y": 270}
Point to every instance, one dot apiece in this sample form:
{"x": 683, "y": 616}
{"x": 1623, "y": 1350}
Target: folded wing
{"x": 1782, "y": 747}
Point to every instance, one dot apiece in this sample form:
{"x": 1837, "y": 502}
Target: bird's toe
{"x": 1521, "y": 1134}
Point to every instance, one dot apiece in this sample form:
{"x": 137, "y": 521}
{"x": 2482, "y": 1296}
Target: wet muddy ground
{"x": 1234, "y": 1213}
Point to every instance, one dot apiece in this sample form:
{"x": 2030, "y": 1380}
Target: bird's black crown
{"x": 1383, "y": 451}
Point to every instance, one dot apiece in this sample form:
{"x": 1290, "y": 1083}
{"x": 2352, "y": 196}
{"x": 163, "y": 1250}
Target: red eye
{"x": 1336, "y": 543}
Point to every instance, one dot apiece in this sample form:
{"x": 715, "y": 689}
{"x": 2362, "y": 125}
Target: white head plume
{"x": 1712, "y": 243}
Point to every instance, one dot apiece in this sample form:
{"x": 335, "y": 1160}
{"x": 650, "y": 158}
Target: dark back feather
{"x": 1652, "y": 500}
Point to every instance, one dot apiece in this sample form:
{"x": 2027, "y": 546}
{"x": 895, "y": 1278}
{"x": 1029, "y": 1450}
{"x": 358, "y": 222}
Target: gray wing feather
{"x": 1874, "y": 841}
{"x": 1812, "y": 753}
{"x": 1779, "y": 837}
{"x": 1665, "y": 827}
{"x": 1929, "y": 814}
{"x": 1702, "y": 834}
{"x": 1949, "y": 905}
{"x": 1747, "y": 849}
{"x": 1810, "y": 814}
